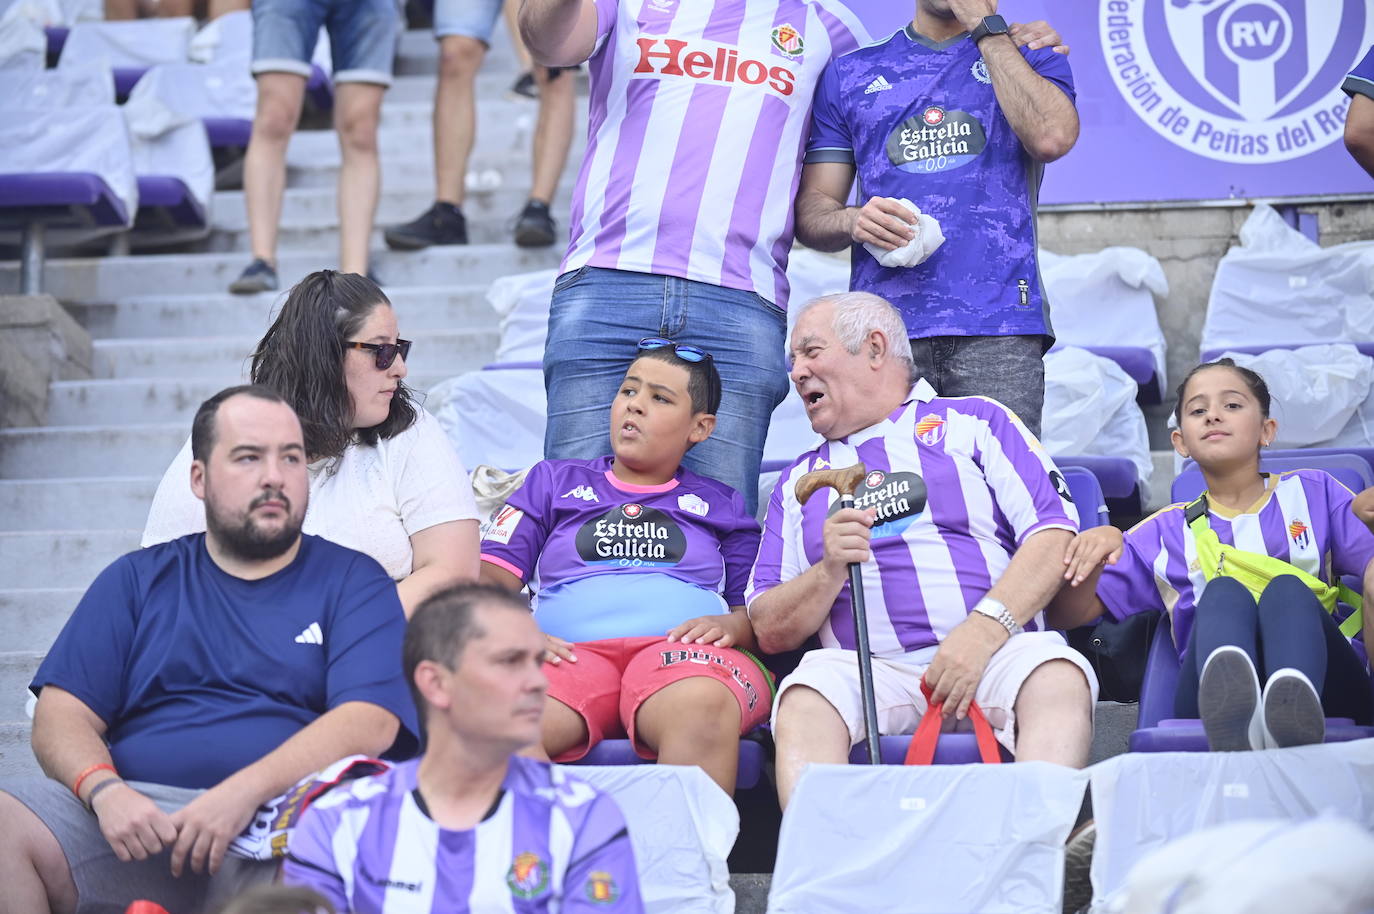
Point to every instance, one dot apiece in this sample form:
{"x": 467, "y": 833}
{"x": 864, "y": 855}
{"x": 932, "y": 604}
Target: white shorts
{"x": 897, "y": 684}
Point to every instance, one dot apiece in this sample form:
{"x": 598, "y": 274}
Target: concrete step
{"x": 16, "y": 758}
{"x": 107, "y": 279}
{"x": 75, "y": 504}
{"x": 226, "y": 358}
{"x": 45, "y": 558}
{"x": 406, "y": 129}
{"x": 493, "y": 84}
{"x": 224, "y": 314}
{"x": 89, "y": 451}
{"x": 32, "y": 617}
{"x": 413, "y": 170}
{"x": 150, "y": 400}
{"x": 16, "y": 672}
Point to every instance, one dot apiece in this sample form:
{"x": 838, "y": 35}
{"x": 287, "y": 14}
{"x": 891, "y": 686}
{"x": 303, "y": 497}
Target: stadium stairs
{"x": 74, "y": 493}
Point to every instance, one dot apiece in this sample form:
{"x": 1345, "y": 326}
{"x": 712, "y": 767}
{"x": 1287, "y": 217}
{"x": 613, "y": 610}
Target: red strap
{"x": 922, "y": 748}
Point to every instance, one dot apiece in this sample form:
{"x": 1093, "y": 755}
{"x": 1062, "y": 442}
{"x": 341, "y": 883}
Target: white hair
{"x": 857, "y": 314}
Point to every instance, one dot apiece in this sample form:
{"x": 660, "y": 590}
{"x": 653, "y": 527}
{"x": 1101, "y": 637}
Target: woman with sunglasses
{"x": 619, "y": 551}
{"x": 384, "y": 478}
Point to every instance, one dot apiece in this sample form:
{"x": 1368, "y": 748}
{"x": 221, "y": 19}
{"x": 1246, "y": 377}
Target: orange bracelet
{"x": 81, "y": 778}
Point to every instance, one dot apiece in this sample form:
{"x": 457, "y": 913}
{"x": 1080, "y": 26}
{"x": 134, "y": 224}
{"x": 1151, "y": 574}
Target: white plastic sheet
{"x": 1319, "y": 393}
{"x": 89, "y": 85}
{"x": 1260, "y": 866}
{"x": 23, "y": 45}
{"x": 1278, "y": 286}
{"x": 1090, "y": 410}
{"x": 1106, "y": 299}
{"x": 167, "y": 143}
{"x": 941, "y": 838}
{"x": 55, "y": 141}
{"x": 682, "y": 826}
{"x": 493, "y": 417}
{"x": 522, "y": 303}
{"x": 134, "y": 43}
{"x": 1142, "y": 801}
{"x": 224, "y": 90}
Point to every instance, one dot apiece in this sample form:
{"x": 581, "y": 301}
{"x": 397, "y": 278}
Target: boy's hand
{"x": 723, "y": 630}
{"x": 556, "y": 650}
{"x": 1098, "y": 546}
{"x": 1363, "y": 506}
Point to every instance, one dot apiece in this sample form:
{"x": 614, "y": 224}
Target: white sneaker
{"x": 1228, "y": 699}
{"x": 1292, "y": 711}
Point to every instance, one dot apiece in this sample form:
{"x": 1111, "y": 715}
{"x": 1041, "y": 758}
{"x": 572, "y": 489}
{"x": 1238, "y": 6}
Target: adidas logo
{"x": 878, "y": 85}
{"x": 586, "y": 493}
{"x": 313, "y": 634}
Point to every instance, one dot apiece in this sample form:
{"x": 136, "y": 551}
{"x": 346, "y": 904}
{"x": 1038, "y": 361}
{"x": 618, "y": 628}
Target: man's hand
{"x": 556, "y": 650}
{"x": 960, "y": 662}
{"x": 1036, "y": 35}
{"x": 884, "y": 222}
{"x": 846, "y": 534}
{"x": 971, "y": 12}
{"x": 1092, "y": 547}
{"x": 133, "y": 824}
{"x": 206, "y": 825}
{"x": 1363, "y": 506}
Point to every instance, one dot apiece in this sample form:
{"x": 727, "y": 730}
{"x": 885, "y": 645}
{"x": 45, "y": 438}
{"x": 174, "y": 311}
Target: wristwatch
{"x": 999, "y": 613}
{"x": 991, "y": 25}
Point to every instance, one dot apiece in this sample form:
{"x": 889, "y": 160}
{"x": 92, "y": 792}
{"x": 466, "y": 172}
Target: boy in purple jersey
{"x": 961, "y": 524}
{"x": 1359, "y": 118}
{"x": 950, "y": 114}
{"x": 619, "y": 551}
{"x": 469, "y": 826}
{"x": 1223, "y": 630}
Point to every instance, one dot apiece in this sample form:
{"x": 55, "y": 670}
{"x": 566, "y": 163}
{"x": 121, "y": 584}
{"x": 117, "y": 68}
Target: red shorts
{"x": 614, "y": 676}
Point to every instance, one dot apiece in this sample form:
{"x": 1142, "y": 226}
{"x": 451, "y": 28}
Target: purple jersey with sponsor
{"x": 549, "y": 843}
{"x": 920, "y": 120}
{"x": 958, "y": 484}
{"x": 697, "y": 117}
{"x": 1361, "y": 79}
{"x": 609, "y": 559}
{"x": 1304, "y": 519}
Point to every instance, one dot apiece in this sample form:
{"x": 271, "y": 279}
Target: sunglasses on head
{"x": 385, "y": 353}
{"x": 684, "y": 352}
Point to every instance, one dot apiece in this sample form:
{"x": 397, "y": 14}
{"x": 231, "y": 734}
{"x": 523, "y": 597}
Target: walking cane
{"x": 845, "y": 482}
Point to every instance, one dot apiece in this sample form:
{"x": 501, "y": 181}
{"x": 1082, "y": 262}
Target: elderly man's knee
{"x": 1057, "y": 686}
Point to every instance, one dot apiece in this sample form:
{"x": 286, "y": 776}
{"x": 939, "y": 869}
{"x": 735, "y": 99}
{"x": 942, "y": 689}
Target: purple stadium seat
{"x": 1350, "y": 470}
{"x": 1139, "y": 363}
{"x": 320, "y": 88}
{"x": 620, "y": 752}
{"x": 1116, "y": 476}
{"x": 1159, "y": 731}
{"x": 952, "y": 749}
{"x": 1086, "y": 492}
{"x": 166, "y": 203}
{"x": 34, "y": 201}
{"x": 1211, "y": 355}
{"x": 57, "y": 37}
{"x": 502, "y": 366}
{"x": 224, "y": 132}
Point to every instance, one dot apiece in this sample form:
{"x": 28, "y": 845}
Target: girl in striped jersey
{"x": 1209, "y": 564}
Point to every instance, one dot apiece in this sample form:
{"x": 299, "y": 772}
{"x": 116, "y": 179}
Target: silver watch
{"x": 998, "y": 612}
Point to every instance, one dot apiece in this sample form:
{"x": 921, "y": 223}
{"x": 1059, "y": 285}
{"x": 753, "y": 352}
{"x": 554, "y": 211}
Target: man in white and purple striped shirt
{"x": 469, "y": 826}
{"x": 960, "y": 526}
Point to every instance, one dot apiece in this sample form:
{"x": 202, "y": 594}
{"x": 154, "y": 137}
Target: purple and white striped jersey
{"x": 1304, "y": 518}
{"x": 698, "y": 113}
{"x": 958, "y": 484}
{"x": 550, "y": 843}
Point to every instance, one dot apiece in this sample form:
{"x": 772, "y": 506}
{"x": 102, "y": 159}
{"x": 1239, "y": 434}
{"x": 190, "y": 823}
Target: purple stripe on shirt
{"x": 376, "y": 851}
{"x": 950, "y": 514}
{"x": 602, "y": 68}
{"x": 634, "y": 127}
{"x": 842, "y": 38}
{"x": 752, "y": 194}
{"x": 454, "y": 882}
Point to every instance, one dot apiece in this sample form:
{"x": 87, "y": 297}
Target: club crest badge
{"x": 930, "y": 429}
{"x": 788, "y": 40}
{"x": 528, "y": 875}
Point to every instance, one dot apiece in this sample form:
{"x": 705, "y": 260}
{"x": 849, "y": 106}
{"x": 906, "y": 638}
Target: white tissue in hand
{"x": 928, "y": 239}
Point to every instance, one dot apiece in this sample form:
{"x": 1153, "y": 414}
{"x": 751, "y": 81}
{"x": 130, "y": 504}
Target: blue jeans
{"x": 362, "y": 37}
{"x": 596, "y": 320}
{"x": 1009, "y": 369}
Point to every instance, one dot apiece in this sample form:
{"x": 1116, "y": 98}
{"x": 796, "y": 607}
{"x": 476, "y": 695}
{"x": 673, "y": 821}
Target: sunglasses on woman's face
{"x": 684, "y": 352}
{"x": 385, "y": 353}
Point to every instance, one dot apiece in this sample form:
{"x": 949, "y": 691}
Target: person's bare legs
{"x": 694, "y": 722}
{"x": 217, "y": 8}
{"x": 280, "y": 96}
{"x": 808, "y": 730}
{"x": 563, "y": 728}
{"x": 1054, "y": 716}
{"x": 33, "y": 870}
{"x": 357, "y": 109}
{"x": 552, "y": 132}
{"x": 455, "y": 114}
{"x": 511, "y": 10}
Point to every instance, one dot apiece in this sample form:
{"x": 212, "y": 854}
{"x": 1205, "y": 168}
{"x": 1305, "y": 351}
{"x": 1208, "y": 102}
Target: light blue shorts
{"x": 470, "y": 18}
{"x": 362, "y": 37}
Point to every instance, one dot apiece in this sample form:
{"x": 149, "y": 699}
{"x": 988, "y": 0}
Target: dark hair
{"x": 302, "y": 354}
{"x": 1258, "y": 389}
{"x": 203, "y": 425}
{"x": 703, "y": 380}
{"x": 444, "y": 623}
{"x": 278, "y": 899}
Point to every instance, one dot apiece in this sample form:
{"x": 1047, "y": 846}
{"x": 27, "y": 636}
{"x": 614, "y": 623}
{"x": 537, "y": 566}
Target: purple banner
{"x": 1198, "y": 99}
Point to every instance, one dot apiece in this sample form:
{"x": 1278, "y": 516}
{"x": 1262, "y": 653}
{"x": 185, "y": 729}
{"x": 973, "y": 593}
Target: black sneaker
{"x": 442, "y": 223}
{"x": 524, "y": 85}
{"x": 258, "y": 276}
{"x": 535, "y": 228}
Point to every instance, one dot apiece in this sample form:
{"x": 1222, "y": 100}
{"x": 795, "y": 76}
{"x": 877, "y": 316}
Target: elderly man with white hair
{"x": 960, "y": 526}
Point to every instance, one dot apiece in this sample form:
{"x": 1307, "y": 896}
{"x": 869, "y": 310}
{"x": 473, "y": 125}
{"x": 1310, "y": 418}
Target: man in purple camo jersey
{"x": 961, "y": 526}
{"x": 950, "y": 114}
{"x": 469, "y": 826}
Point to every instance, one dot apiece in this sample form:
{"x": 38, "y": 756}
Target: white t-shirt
{"x": 372, "y": 499}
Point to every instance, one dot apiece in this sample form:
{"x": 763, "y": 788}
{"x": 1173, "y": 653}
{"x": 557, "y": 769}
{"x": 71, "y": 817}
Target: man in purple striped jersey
{"x": 469, "y": 826}
{"x": 961, "y": 526}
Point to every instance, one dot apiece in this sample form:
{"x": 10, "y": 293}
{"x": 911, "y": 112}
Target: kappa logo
{"x": 878, "y": 85}
{"x": 930, "y": 429}
{"x": 1061, "y": 486}
{"x": 312, "y": 634}
{"x": 980, "y": 71}
{"x": 788, "y": 39}
{"x": 1244, "y": 81}
{"x": 586, "y": 493}
{"x": 1297, "y": 532}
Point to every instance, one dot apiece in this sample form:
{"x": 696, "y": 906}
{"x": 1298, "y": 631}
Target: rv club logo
{"x": 1245, "y": 81}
